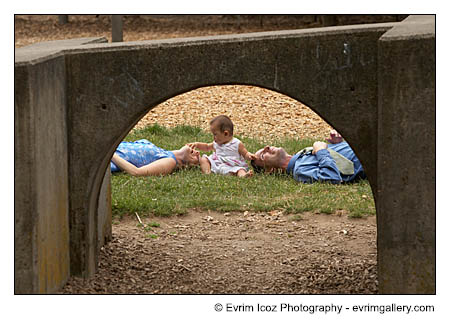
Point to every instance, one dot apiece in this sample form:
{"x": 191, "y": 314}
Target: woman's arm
{"x": 160, "y": 167}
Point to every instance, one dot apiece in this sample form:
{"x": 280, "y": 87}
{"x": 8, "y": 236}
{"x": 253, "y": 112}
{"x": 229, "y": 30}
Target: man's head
{"x": 269, "y": 159}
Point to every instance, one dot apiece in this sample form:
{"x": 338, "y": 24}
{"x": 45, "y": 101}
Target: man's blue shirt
{"x": 321, "y": 166}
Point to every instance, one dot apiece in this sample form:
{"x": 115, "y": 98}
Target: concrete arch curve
{"x": 318, "y": 68}
{"x": 99, "y": 91}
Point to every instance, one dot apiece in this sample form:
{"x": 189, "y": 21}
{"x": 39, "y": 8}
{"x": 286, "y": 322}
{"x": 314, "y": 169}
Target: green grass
{"x": 186, "y": 189}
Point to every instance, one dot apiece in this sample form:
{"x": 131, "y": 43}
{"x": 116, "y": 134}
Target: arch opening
{"x": 238, "y": 101}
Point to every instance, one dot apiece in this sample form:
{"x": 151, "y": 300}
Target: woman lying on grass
{"x": 143, "y": 158}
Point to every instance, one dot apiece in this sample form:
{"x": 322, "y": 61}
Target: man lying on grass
{"x": 335, "y": 163}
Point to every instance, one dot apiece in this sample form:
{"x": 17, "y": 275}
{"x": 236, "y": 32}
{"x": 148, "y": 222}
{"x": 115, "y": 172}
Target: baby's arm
{"x": 246, "y": 154}
{"x": 205, "y": 147}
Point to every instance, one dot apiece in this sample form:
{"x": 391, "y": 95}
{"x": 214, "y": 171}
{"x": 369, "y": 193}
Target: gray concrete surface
{"x": 104, "y": 225}
{"x": 340, "y": 72}
{"x": 41, "y": 188}
{"x": 41, "y": 183}
{"x": 406, "y": 196}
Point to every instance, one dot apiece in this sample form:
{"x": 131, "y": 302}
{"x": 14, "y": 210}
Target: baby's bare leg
{"x": 205, "y": 165}
{"x": 243, "y": 173}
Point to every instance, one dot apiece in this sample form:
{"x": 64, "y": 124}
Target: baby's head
{"x": 222, "y": 129}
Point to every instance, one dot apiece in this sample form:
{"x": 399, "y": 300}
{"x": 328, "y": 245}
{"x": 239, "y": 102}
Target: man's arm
{"x": 317, "y": 167}
{"x": 328, "y": 170}
{"x": 160, "y": 167}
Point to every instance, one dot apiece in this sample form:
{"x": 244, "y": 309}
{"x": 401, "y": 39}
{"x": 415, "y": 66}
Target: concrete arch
{"x": 316, "y": 66}
{"x": 102, "y": 90}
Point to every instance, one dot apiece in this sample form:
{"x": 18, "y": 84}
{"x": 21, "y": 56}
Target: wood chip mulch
{"x": 255, "y": 112}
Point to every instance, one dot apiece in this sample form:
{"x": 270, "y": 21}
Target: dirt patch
{"x": 237, "y": 253}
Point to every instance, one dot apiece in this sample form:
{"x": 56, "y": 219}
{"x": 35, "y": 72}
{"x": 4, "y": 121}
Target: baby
{"x": 229, "y": 153}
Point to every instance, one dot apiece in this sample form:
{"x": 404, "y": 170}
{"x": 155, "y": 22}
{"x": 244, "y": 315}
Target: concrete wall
{"x": 24, "y": 186}
{"x": 41, "y": 232}
{"x": 357, "y": 78}
{"x": 41, "y": 178}
{"x": 406, "y": 196}
{"x": 104, "y": 225}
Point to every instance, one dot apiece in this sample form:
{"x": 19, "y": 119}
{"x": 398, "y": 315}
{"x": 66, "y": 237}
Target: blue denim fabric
{"x": 309, "y": 168}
